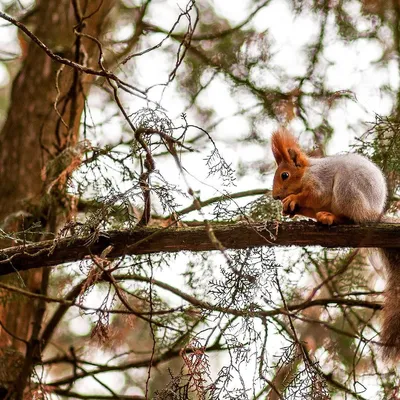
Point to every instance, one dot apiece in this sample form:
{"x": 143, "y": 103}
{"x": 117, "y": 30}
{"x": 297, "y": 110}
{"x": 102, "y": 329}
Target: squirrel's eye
{"x": 284, "y": 175}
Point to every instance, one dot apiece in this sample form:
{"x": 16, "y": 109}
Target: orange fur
{"x": 283, "y": 142}
{"x": 293, "y": 161}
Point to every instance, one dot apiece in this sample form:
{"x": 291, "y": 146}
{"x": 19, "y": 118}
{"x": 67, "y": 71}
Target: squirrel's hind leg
{"x": 327, "y": 218}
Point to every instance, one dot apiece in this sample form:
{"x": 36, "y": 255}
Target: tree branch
{"x": 56, "y": 57}
{"x": 231, "y": 196}
{"x": 75, "y": 395}
{"x": 195, "y": 238}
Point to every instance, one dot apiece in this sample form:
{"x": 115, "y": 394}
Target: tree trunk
{"x": 35, "y": 133}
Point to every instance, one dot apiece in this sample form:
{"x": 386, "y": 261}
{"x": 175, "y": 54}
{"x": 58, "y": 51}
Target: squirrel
{"x": 339, "y": 189}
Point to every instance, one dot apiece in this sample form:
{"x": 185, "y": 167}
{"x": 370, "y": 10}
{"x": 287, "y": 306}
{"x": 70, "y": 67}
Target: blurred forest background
{"x": 124, "y": 114}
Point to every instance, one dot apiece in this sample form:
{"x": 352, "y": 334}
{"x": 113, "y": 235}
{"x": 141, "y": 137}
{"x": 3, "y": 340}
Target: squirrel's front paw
{"x": 289, "y": 204}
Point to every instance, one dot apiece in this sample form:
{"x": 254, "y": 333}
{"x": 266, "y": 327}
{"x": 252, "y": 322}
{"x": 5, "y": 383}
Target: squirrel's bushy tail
{"x": 391, "y": 310}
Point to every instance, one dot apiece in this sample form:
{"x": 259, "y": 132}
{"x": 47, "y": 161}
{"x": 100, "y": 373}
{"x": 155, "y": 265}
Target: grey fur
{"x": 357, "y": 186}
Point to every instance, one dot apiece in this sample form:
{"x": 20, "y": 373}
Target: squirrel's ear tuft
{"x": 279, "y": 145}
{"x": 285, "y": 148}
{"x": 276, "y": 150}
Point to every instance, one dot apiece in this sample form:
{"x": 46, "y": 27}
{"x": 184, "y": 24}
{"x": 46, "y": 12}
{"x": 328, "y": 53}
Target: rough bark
{"x": 35, "y": 133}
{"x": 231, "y": 236}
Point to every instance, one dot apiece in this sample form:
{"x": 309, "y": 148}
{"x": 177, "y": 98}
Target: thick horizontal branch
{"x": 196, "y": 238}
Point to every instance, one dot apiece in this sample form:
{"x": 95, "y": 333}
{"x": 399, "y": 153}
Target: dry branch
{"x": 195, "y": 238}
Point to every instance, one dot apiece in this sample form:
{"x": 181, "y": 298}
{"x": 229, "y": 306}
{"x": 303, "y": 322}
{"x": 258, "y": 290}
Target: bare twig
{"x": 70, "y": 63}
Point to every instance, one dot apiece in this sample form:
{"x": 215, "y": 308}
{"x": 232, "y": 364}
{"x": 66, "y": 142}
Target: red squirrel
{"x": 339, "y": 189}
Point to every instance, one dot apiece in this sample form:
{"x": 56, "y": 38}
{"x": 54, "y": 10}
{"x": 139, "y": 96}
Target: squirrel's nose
{"x": 276, "y": 197}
